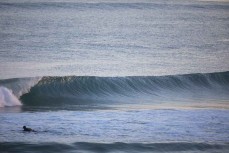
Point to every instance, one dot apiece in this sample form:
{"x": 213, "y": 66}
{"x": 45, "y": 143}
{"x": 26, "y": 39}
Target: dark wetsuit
{"x": 28, "y": 129}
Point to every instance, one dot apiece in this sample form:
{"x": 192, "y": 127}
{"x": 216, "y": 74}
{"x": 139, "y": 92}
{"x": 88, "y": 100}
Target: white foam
{"x": 7, "y": 98}
{"x": 21, "y": 86}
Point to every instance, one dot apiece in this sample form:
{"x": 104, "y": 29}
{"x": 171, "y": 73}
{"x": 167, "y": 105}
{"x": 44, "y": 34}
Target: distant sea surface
{"x": 112, "y": 38}
{"x": 114, "y": 76}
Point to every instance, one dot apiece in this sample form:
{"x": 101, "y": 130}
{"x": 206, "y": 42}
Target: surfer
{"x": 28, "y": 129}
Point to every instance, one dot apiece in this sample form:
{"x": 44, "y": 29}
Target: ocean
{"x": 114, "y": 76}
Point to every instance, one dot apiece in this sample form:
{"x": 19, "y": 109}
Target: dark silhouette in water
{"x": 28, "y": 129}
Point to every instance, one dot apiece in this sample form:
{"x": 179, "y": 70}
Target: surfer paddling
{"x": 28, "y": 129}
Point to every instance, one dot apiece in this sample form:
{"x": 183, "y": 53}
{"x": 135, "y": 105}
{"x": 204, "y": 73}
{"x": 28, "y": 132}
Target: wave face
{"x": 83, "y": 89}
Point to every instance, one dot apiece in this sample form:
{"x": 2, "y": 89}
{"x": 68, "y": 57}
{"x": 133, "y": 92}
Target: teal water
{"x": 114, "y": 76}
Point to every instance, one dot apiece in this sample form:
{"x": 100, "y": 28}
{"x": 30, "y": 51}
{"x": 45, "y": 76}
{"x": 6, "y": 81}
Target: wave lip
{"x": 12, "y": 89}
{"x": 132, "y": 88}
{"x": 92, "y": 89}
{"x": 7, "y": 98}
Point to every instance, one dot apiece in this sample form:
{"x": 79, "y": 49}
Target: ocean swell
{"x": 79, "y": 89}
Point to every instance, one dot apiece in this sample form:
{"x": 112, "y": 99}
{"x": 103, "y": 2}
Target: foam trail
{"x": 7, "y": 98}
{"x": 20, "y": 86}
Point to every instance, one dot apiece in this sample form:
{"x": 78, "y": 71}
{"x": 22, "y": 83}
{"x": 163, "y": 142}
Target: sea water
{"x": 114, "y": 76}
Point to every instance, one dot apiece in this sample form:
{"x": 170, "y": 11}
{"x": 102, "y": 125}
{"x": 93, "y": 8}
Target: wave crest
{"x": 77, "y": 89}
{"x": 13, "y": 89}
{"x": 7, "y": 98}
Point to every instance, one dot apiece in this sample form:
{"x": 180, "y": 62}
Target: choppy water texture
{"x": 114, "y": 76}
{"x": 112, "y": 38}
{"x": 179, "y": 113}
{"x": 117, "y": 130}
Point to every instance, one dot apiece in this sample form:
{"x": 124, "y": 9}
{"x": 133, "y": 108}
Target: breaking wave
{"x": 7, "y": 98}
{"x": 81, "y": 89}
{"x": 12, "y": 89}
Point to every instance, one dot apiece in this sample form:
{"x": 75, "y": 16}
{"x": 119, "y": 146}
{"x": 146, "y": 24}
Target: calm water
{"x": 114, "y": 76}
{"x": 112, "y": 38}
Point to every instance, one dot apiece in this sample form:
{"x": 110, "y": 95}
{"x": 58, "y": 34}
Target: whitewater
{"x": 114, "y": 76}
{"x": 111, "y": 114}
